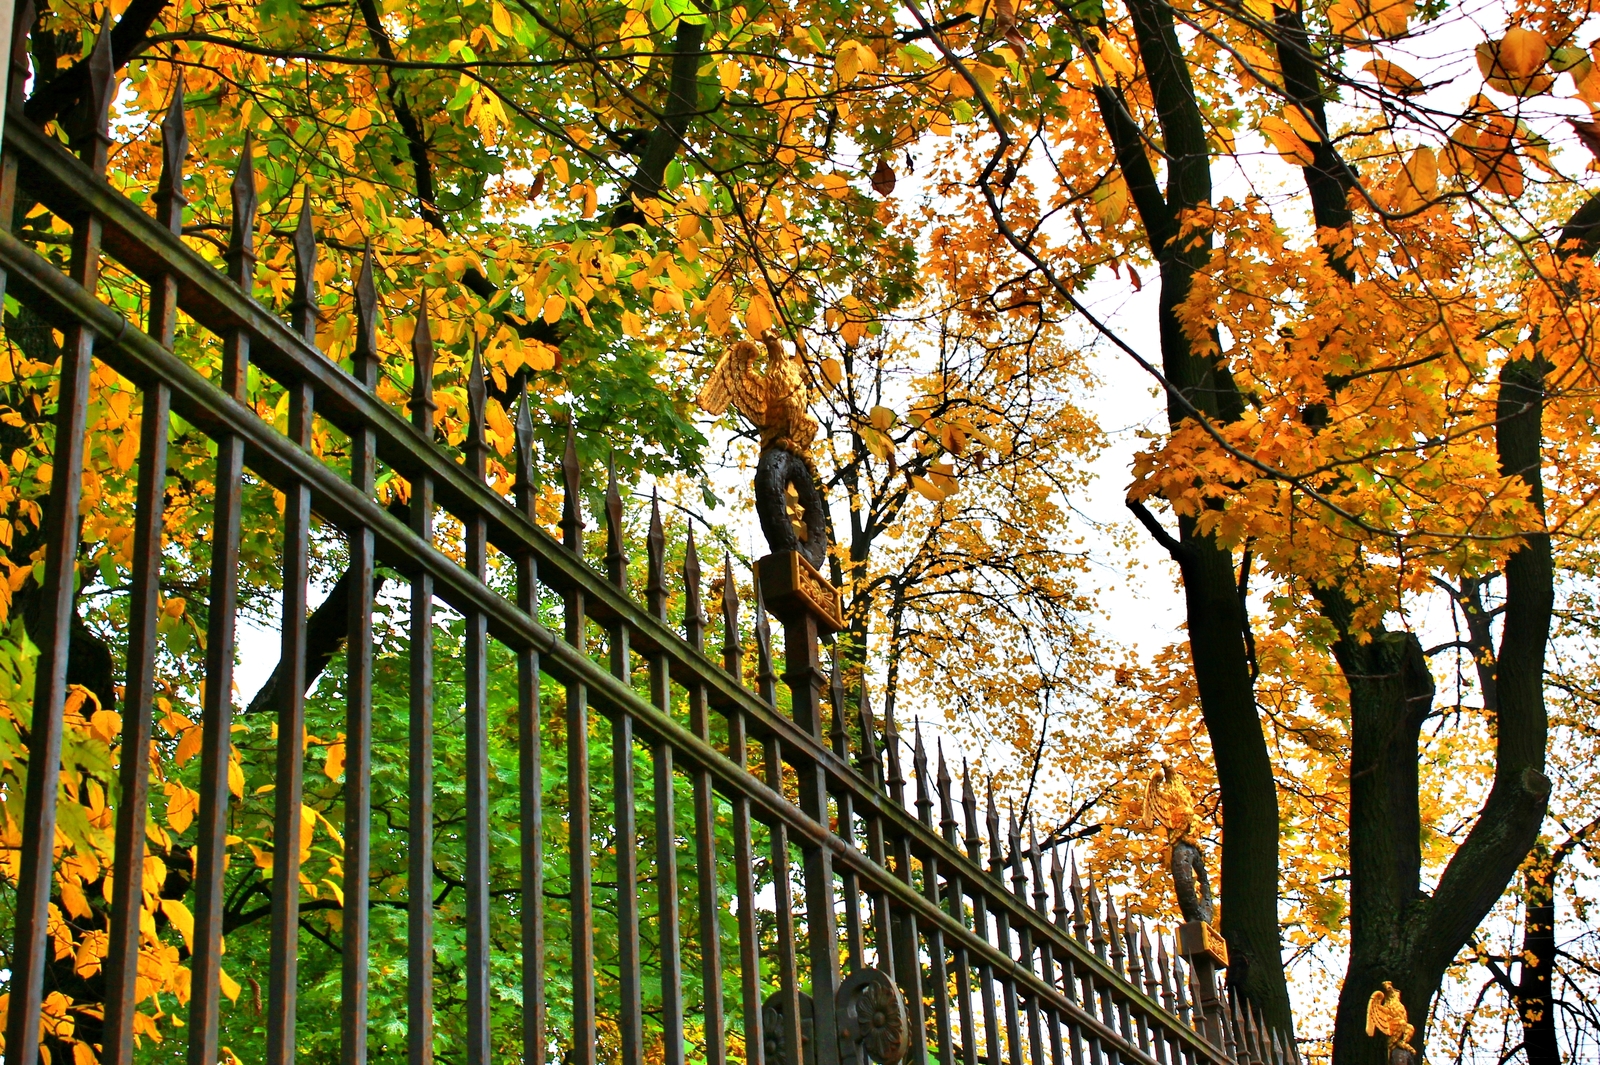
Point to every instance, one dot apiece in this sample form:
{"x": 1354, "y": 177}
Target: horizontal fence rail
{"x": 766, "y": 873}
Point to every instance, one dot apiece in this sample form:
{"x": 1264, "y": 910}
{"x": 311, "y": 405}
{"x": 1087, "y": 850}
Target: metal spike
{"x": 993, "y": 822}
{"x": 1114, "y": 933}
{"x": 891, "y": 746}
{"x": 476, "y": 444}
{"x": 174, "y": 150}
{"x": 870, "y": 765}
{"x": 919, "y": 766}
{"x": 422, "y": 404}
{"x": 1062, "y": 914}
{"x": 1277, "y": 1049}
{"x": 1097, "y": 934}
{"x": 303, "y": 306}
{"x": 947, "y": 809}
{"x": 241, "y": 253}
{"x": 693, "y": 619}
{"x": 838, "y": 735}
{"x": 766, "y": 675}
{"x": 365, "y": 359}
{"x": 571, "y": 510}
{"x": 616, "y": 558}
{"x": 91, "y": 139}
{"x": 1041, "y": 894}
{"x": 1130, "y": 940}
{"x": 524, "y": 484}
{"x": 969, "y": 807}
{"x": 1019, "y": 880}
{"x": 1257, "y": 1049}
{"x": 1152, "y": 983}
{"x": 1080, "y": 926}
{"x": 1180, "y": 993}
{"x": 655, "y": 584}
{"x": 732, "y": 645}
{"x": 1164, "y": 964}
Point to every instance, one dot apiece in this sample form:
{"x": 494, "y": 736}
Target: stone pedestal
{"x": 1206, "y": 951}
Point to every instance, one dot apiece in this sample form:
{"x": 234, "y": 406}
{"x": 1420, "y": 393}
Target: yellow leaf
{"x": 852, "y": 332}
{"x": 180, "y": 917}
{"x": 182, "y": 805}
{"x": 1393, "y": 77}
{"x": 1115, "y": 58}
{"x": 1522, "y": 52}
{"x": 1286, "y": 140}
{"x": 758, "y": 317}
{"x": 1302, "y": 125}
{"x": 72, "y": 896}
{"x": 106, "y": 724}
{"x": 832, "y": 372}
{"x": 728, "y": 72}
{"x": 500, "y": 18}
{"x": 333, "y": 766}
{"x": 554, "y": 306}
{"x": 188, "y": 746}
{"x": 632, "y": 324}
{"x": 236, "y": 778}
{"x": 926, "y": 489}
{"x": 882, "y": 418}
{"x": 230, "y": 986}
{"x": 308, "y": 826}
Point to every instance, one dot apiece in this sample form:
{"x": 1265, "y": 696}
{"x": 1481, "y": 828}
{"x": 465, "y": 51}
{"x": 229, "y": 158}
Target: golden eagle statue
{"x": 1386, "y": 1015}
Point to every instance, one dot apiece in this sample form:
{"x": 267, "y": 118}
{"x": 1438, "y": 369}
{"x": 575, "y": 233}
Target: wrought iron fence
{"x": 906, "y": 934}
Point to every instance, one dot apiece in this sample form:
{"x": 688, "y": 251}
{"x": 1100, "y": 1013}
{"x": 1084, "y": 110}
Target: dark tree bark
{"x": 1217, "y": 621}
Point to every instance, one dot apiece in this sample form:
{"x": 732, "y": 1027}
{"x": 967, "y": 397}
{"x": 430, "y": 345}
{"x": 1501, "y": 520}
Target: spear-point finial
{"x": 21, "y": 30}
{"x": 732, "y": 645}
{"x": 1164, "y": 964}
{"x": 241, "y": 253}
{"x": 655, "y": 544}
{"x": 524, "y": 482}
{"x": 476, "y": 444}
{"x": 870, "y": 764}
{"x": 969, "y": 808}
{"x": 891, "y": 745}
{"x": 303, "y": 306}
{"x": 947, "y": 807}
{"x": 422, "y": 404}
{"x": 174, "y": 150}
{"x": 92, "y": 137}
{"x": 1019, "y": 880}
{"x": 1097, "y": 934}
{"x": 1130, "y": 944}
{"x": 693, "y": 619}
{"x": 992, "y": 819}
{"x": 766, "y": 676}
{"x": 1063, "y": 915}
{"x": 616, "y": 558}
{"x": 1152, "y": 981}
{"x": 919, "y": 766}
{"x": 571, "y": 508}
{"x": 838, "y": 735}
{"x": 1041, "y": 894}
{"x": 365, "y": 359}
{"x": 1080, "y": 924}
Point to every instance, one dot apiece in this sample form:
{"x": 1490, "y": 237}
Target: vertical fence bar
{"x": 476, "y": 448}
{"x": 743, "y": 855}
{"x": 289, "y": 781}
{"x": 127, "y": 897}
{"x": 903, "y": 926}
{"x": 849, "y": 887}
{"x": 419, "y": 724}
{"x": 579, "y": 843}
{"x": 958, "y": 911}
{"x": 530, "y": 764}
{"x": 358, "y": 700}
{"x": 667, "y": 919}
{"x": 222, "y": 602}
{"x": 631, "y": 1021}
{"x": 937, "y": 974}
{"x": 980, "y": 918}
{"x": 705, "y": 842}
{"x": 778, "y": 836}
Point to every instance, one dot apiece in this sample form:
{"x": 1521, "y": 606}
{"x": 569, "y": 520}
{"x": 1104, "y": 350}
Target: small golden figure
{"x": 774, "y": 401}
{"x": 791, "y": 508}
{"x": 1386, "y": 1015}
{"x": 1169, "y": 804}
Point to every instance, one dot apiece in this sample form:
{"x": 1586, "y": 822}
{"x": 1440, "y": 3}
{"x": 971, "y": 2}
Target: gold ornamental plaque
{"x": 790, "y": 585}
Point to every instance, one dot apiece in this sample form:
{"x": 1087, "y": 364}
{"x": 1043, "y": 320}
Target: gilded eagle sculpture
{"x": 767, "y": 385}
{"x": 1386, "y": 1016}
{"x": 1169, "y": 805}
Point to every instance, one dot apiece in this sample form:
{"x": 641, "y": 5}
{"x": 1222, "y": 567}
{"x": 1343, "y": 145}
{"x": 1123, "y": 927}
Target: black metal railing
{"x": 865, "y": 890}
